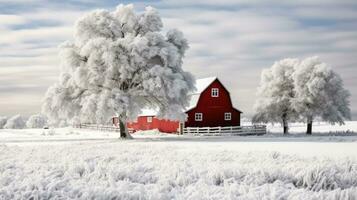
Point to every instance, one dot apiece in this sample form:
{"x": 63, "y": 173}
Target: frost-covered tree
{"x": 36, "y": 121}
{"x": 3, "y": 121}
{"x": 275, "y": 94}
{"x": 15, "y": 122}
{"x": 119, "y": 63}
{"x": 320, "y": 93}
{"x": 62, "y": 123}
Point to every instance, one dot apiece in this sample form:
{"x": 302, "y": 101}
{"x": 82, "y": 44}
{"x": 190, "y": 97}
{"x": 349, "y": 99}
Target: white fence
{"x": 197, "y": 131}
{"x": 228, "y": 130}
{"x": 100, "y": 127}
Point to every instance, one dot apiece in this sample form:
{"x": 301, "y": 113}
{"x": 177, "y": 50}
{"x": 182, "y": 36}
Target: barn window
{"x": 198, "y": 116}
{"x": 227, "y": 116}
{"x": 214, "y": 92}
{"x": 149, "y": 119}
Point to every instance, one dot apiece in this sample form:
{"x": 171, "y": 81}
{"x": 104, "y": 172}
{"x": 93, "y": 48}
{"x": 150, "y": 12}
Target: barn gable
{"x": 201, "y": 86}
{"x": 212, "y": 107}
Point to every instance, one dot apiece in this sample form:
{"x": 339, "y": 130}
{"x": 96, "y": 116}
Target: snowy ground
{"x": 318, "y": 128}
{"x": 78, "y": 164}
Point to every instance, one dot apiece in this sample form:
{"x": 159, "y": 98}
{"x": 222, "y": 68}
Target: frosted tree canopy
{"x": 119, "y": 63}
{"x": 15, "y": 122}
{"x": 36, "y": 121}
{"x": 319, "y": 92}
{"x": 301, "y": 90}
{"x": 275, "y": 94}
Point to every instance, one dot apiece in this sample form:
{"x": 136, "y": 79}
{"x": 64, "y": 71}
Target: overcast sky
{"x": 231, "y": 39}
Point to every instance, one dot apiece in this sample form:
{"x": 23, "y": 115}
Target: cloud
{"x": 47, "y": 34}
{"x": 231, "y": 39}
{"x": 333, "y": 14}
{"x": 257, "y": 3}
{"x": 6, "y": 20}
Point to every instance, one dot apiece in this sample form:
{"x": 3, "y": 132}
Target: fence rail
{"x": 196, "y": 131}
{"x": 228, "y": 130}
{"x": 99, "y": 127}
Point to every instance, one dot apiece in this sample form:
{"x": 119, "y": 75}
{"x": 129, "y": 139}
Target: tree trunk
{"x": 286, "y": 129}
{"x": 124, "y": 133}
{"x": 285, "y": 124}
{"x": 309, "y": 127}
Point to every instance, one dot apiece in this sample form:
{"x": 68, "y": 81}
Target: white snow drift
{"x": 170, "y": 170}
{"x": 83, "y": 164}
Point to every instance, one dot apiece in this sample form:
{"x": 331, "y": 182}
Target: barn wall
{"x": 165, "y": 126}
{"x": 212, "y": 117}
{"x": 213, "y": 109}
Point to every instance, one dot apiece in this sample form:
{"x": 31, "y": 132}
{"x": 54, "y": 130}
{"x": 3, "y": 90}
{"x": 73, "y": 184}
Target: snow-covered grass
{"x": 85, "y": 164}
{"x": 319, "y": 128}
{"x": 170, "y": 170}
{"x": 58, "y": 134}
{"x": 154, "y": 132}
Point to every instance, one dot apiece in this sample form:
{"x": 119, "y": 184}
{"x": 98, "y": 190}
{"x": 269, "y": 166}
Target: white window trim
{"x": 226, "y": 118}
{"x": 214, "y": 94}
{"x": 149, "y": 119}
{"x": 198, "y": 119}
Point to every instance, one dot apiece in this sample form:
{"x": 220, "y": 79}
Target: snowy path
{"x": 305, "y": 149}
{"x": 316, "y": 145}
{"x": 327, "y": 149}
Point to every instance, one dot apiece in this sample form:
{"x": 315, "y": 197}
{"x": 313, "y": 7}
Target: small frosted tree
{"x": 3, "y": 121}
{"x": 36, "y": 121}
{"x": 119, "y": 63}
{"x": 275, "y": 94}
{"x": 320, "y": 93}
{"x": 15, "y": 122}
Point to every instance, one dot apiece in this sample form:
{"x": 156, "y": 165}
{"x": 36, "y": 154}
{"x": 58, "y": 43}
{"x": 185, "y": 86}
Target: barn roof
{"x": 201, "y": 85}
{"x": 148, "y": 112}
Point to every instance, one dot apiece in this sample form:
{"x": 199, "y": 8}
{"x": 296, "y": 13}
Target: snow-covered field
{"x": 319, "y": 128}
{"x": 81, "y": 164}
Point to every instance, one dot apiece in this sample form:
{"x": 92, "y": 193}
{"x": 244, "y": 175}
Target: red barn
{"x": 210, "y": 106}
{"x": 148, "y": 121}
